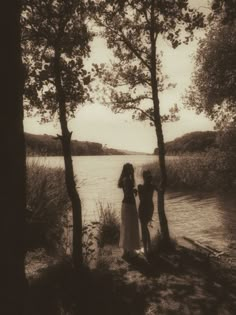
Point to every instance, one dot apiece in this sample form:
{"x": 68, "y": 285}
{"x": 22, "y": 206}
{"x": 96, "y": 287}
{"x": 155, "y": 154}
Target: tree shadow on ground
{"x": 183, "y": 282}
{"x": 180, "y": 282}
{"x": 61, "y": 290}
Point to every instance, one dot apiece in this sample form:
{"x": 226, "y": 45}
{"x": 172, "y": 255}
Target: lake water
{"x": 207, "y": 218}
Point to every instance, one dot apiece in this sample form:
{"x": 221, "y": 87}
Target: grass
{"x": 211, "y": 171}
{"x": 109, "y": 226}
{"x": 47, "y": 204}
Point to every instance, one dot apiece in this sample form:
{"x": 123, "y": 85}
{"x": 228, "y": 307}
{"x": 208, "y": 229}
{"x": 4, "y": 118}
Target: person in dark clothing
{"x": 146, "y": 208}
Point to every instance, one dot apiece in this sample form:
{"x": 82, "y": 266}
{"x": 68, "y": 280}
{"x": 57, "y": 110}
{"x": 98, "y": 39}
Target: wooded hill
{"x": 50, "y": 146}
{"x": 194, "y": 142}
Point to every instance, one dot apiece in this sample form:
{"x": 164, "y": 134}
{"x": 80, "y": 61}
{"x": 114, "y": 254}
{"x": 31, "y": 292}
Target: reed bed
{"x": 206, "y": 172}
{"x": 47, "y": 204}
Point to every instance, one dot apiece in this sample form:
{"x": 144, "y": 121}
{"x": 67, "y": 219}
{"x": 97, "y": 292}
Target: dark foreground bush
{"x": 47, "y": 204}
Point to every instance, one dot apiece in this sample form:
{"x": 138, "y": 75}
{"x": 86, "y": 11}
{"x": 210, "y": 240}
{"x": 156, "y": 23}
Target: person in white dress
{"x": 129, "y": 229}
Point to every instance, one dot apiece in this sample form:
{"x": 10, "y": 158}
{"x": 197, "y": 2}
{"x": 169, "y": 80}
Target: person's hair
{"x": 147, "y": 175}
{"x": 127, "y": 171}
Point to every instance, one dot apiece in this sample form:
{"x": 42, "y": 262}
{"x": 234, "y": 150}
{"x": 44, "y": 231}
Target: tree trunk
{"x": 77, "y": 253}
{"x": 160, "y": 139}
{"x": 12, "y": 165}
{"x": 162, "y": 187}
{"x": 163, "y": 178}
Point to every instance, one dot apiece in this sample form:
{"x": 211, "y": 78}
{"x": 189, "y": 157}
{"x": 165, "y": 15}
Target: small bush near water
{"x": 47, "y": 204}
{"x": 211, "y": 171}
{"x": 109, "y": 226}
{"x": 89, "y": 243}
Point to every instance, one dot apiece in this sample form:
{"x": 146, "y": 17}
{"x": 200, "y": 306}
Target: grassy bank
{"x": 47, "y": 204}
{"x": 47, "y": 215}
{"x": 211, "y": 171}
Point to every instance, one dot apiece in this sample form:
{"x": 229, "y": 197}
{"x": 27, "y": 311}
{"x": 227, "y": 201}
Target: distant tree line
{"x": 48, "y": 145}
{"x": 201, "y": 141}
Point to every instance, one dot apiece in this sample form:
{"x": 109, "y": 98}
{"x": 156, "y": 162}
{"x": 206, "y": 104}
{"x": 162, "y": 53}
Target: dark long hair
{"x": 127, "y": 171}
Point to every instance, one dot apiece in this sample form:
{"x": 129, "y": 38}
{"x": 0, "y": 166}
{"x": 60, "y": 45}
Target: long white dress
{"x": 129, "y": 229}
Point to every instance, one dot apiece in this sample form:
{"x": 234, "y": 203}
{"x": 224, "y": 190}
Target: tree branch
{"x": 142, "y": 111}
{"x": 134, "y": 51}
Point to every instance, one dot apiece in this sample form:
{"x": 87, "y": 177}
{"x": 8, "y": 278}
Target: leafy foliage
{"x": 213, "y": 84}
{"x": 90, "y": 239}
{"x": 51, "y": 28}
{"x": 226, "y": 9}
{"x": 130, "y": 28}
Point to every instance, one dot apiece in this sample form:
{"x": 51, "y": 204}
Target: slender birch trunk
{"x": 65, "y": 138}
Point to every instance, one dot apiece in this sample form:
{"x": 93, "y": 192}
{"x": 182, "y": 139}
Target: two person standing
{"x": 129, "y": 230}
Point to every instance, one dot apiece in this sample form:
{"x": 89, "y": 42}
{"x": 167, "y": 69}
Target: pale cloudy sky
{"x": 95, "y": 122}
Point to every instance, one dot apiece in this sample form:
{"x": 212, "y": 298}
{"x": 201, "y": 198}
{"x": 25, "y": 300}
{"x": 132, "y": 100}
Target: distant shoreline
{"x": 89, "y": 155}
{"x": 47, "y": 145}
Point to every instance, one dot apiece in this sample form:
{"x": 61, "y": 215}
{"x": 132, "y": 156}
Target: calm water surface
{"x": 208, "y": 218}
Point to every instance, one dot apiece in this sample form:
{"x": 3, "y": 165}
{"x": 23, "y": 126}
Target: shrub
{"x": 47, "y": 204}
{"x": 89, "y": 242}
{"x": 109, "y": 226}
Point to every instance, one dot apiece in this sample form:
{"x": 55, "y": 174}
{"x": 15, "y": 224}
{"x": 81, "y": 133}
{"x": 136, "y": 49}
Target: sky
{"x": 97, "y": 123}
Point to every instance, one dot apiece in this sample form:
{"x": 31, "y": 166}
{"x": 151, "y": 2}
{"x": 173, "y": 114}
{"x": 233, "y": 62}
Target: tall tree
{"x": 132, "y": 29}
{"x": 213, "y": 82}
{"x": 55, "y": 41}
{"x": 12, "y": 164}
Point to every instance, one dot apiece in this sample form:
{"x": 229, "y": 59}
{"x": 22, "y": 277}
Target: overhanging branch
{"x": 134, "y": 51}
{"x": 142, "y": 111}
